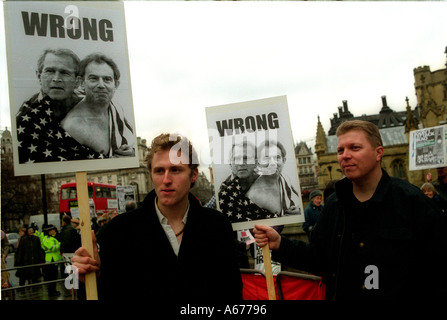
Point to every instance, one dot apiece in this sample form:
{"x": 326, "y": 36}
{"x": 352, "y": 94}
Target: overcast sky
{"x": 185, "y": 56}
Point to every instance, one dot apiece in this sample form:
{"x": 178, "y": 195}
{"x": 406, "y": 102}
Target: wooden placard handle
{"x": 268, "y": 272}
{"x": 86, "y": 230}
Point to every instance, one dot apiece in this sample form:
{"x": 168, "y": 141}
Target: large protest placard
{"x": 61, "y": 121}
{"x": 254, "y": 165}
{"x": 428, "y": 148}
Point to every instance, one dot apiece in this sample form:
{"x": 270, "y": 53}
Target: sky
{"x": 186, "y": 56}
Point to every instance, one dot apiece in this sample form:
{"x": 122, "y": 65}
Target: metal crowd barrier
{"x": 16, "y": 289}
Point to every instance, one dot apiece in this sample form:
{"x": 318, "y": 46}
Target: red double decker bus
{"x": 99, "y": 192}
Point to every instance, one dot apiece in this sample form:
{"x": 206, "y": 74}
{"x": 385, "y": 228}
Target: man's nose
{"x": 57, "y": 77}
{"x": 167, "y": 178}
{"x": 101, "y": 83}
{"x": 346, "y": 154}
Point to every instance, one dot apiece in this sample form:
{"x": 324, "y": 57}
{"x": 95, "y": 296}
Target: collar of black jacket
{"x": 343, "y": 188}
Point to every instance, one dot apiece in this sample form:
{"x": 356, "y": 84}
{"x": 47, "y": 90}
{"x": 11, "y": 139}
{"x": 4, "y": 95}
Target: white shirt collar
{"x": 163, "y": 220}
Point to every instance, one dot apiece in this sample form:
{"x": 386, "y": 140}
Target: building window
{"x": 399, "y": 169}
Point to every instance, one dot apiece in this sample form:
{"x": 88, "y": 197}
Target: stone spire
{"x": 411, "y": 123}
{"x": 320, "y": 142}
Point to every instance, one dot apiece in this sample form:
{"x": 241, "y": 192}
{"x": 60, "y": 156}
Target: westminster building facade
{"x": 394, "y": 126}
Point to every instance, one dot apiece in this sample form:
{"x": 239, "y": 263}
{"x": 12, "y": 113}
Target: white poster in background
{"x": 84, "y": 28}
{"x": 124, "y": 194}
{"x": 74, "y": 211}
{"x": 112, "y": 204}
{"x": 255, "y": 186}
{"x": 428, "y": 148}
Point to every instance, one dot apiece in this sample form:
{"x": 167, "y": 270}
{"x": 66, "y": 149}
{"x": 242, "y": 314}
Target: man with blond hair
{"x": 377, "y": 235}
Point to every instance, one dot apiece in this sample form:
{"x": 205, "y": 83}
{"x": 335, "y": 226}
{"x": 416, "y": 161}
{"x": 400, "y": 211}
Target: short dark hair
{"x": 58, "y": 52}
{"x": 99, "y": 58}
{"x": 66, "y": 219}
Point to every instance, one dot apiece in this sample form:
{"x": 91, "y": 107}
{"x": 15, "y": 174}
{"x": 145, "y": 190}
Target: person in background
{"x": 29, "y": 252}
{"x": 5, "y": 275}
{"x": 429, "y": 190}
{"x": 51, "y": 246}
{"x": 312, "y": 211}
{"x": 441, "y": 183}
{"x": 131, "y": 205}
{"x": 69, "y": 237}
{"x": 329, "y": 189}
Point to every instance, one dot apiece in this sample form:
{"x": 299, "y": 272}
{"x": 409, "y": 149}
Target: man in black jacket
{"x": 69, "y": 237}
{"x": 378, "y": 237}
{"x": 174, "y": 248}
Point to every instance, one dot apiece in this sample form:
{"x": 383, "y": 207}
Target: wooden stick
{"x": 268, "y": 272}
{"x": 86, "y": 231}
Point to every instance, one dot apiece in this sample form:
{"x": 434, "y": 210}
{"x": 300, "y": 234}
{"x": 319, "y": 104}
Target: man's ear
{"x": 195, "y": 175}
{"x": 379, "y": 151}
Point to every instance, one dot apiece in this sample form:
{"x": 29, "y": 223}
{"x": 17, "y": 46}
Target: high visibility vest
{"x": 52, "y": 248}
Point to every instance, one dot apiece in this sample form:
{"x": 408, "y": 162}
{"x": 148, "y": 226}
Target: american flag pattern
{"x": 239, "y": 208}
{"x": 41, "y": 139}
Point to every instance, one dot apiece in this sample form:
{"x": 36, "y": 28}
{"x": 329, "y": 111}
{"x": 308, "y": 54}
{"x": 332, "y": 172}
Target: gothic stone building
{"x": 394, "y": 126}
{"x": 306, "y": 166}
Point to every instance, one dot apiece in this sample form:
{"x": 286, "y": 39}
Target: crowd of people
{"x": 50, "y": 246}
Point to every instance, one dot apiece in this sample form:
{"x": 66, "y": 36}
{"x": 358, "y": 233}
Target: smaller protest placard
{"x": 428, "y": 148}
{"x": 254, "y": 165}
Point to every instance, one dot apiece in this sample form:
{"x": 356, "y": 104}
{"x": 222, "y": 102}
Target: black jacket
{"x": 70, "y": 239}
{"x": 137, "y": 260}
{"x": 398, "y": 230}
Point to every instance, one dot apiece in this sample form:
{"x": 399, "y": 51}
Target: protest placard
{"x": 254, "y": 165}
{"x": 428, "y": 148}
{"x": 53, "y": 130}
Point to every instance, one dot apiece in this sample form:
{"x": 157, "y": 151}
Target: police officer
{"x": 51, "y": 246}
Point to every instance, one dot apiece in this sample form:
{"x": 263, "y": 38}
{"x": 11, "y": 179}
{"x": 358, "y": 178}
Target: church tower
{"x": 320, "y": 143}
{"x": 431, "y": 92}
